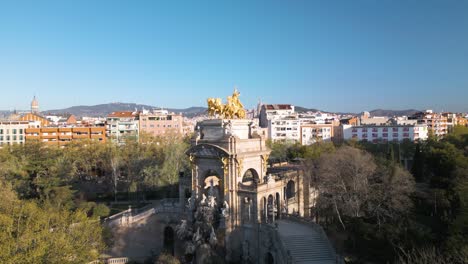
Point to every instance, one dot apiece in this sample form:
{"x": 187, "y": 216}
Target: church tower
{"x": 34, "y": 106}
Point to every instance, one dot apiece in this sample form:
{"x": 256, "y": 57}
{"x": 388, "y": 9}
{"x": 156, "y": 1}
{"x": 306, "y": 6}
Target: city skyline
{"x": 338, "y": 57}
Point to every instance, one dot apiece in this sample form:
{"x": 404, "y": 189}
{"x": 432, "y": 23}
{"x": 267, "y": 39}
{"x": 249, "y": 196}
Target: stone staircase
{"x": 305, "y": 244}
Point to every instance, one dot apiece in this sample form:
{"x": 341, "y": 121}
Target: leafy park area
{"x": 52, "y": 199}
{"x": 381, "y": 203}
{"x": 390, "y": 202}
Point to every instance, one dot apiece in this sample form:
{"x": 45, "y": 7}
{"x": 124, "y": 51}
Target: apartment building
{"x": 64, "y": 135}
{"x": 122, "y": 126}
{"x": 12, "y": 132}
{"x": 462, "y": 121}
{"x": 436, "y": 123}
{"x": 160, "y": 122}
{"x": 269, "y": 112}
{"x": 284, "y": 129}
{"x": 312, "y": 133}
{"x": 385, "y": 133}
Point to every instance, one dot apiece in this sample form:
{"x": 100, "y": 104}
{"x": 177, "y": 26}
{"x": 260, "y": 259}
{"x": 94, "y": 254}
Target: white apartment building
{"x": 122, "y": 125}
{"x": 12, "y": 132}
{"x": 385, "y": 133}
{"x": 274, "y": 111}
{"x": 312, "y": 133}
{"x": 284, "y": 129}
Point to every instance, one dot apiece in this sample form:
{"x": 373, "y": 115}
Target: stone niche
{"x": 216, "y": 129}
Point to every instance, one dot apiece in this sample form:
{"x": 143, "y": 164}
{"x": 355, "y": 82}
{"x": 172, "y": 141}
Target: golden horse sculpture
{"x": 231, "y": 110}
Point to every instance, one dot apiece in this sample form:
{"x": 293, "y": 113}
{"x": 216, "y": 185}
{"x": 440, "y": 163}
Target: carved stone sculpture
{"x": 211, "y": 201}
{"x": 225, "y": 209}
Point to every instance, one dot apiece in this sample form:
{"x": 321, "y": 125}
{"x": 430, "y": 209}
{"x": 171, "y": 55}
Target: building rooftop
{"x": 122, "y": 114}
{"x": 278, "y": 107}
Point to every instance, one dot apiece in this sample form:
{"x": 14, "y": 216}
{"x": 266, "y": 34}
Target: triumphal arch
{"x": 229, "y": 162}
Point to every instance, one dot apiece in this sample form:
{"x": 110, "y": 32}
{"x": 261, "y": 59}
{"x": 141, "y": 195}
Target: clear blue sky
{"x": 332, "y": 55}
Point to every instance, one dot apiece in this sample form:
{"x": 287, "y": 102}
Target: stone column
{"x": 300, "y": 194}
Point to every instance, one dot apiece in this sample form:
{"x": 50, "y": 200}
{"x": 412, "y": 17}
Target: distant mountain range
{"x": 376, "y": 112}
{"x": 105, "y": 109}
{"x": 390, "y": 113}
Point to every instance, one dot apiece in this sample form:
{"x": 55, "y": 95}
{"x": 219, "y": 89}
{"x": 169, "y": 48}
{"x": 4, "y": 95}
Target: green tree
{"x": 418, "y": 164}
{"x": 34, "y": 233}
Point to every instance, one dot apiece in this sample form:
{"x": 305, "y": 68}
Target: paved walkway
{"x": 304, "y": 243}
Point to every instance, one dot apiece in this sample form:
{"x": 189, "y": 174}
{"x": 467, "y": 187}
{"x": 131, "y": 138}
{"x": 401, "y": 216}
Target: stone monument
{"x": 229, "y": 164}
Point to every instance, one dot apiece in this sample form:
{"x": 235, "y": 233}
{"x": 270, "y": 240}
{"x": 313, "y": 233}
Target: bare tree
{"x": 343, "y": 181}
{"x": 430, "y": 256}
{"x": 350, "y": 182}
{"x": 390, "y": 193}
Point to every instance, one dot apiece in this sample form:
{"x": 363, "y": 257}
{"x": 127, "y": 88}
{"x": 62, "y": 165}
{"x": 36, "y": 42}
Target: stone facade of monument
{"x": 230, "y": 162}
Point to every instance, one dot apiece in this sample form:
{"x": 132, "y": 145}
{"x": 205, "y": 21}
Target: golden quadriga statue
{"x": 233, "y": 109}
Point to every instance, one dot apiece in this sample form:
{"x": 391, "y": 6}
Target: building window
{"x": 1, "y": 131}
{"x": 385, "y": 134}
{"x": 14, "y": 131}
{"x": 385, "y": 129}
{"x": 395, "y": 135}
{"x": 395, "y": 129}
{"x": 374, "y": 135}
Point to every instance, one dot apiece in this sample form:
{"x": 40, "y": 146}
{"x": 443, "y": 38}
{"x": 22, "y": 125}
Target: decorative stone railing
{"x": 131, "y": 216}
{"x": 117, "y": 261}
{"x": 122, "y": 260}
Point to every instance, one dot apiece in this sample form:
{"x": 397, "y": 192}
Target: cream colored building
{"x": 12, "y": 132}
{"x": 160, "y": 122}
{"x": 313, "y": 133}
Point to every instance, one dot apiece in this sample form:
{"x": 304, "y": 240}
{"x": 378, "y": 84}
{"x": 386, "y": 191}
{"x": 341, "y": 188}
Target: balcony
{"x": 63, "y": 143}
{"x": 80, "y": 129}
{"x": 49, "y": 136}
{"x": 49, "y": 130}
{"x": 80, "y": 136}
{"x": 32, "y": 130}
{"x": 65, "y": 136}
